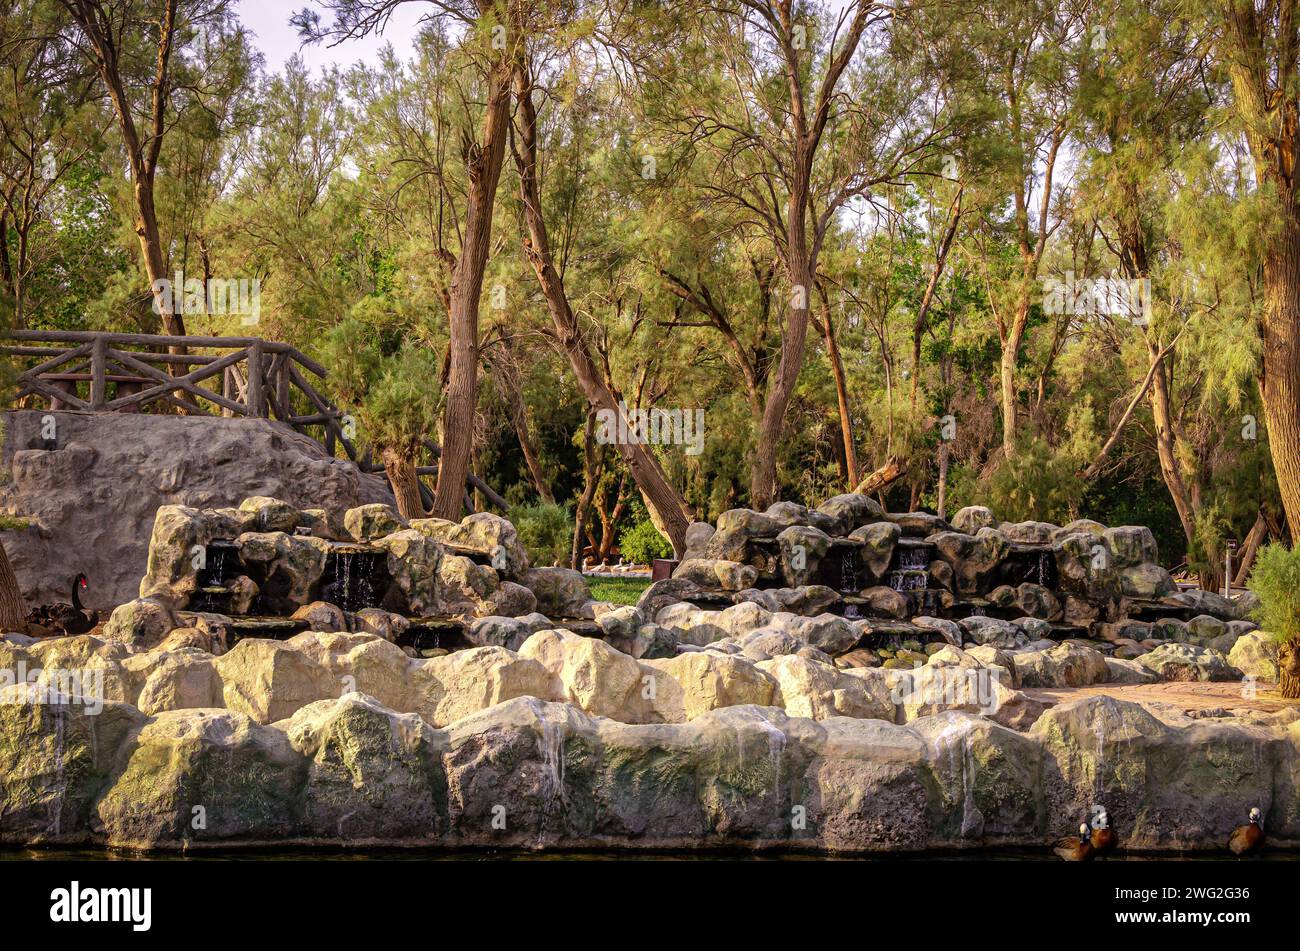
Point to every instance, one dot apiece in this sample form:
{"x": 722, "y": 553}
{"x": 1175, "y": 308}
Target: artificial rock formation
{"x": 91, "y": 491}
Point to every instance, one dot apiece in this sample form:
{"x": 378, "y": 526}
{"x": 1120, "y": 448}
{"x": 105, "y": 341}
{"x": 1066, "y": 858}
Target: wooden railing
{"x": 105, "y": 372}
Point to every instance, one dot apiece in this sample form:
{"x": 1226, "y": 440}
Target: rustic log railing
{"x": 74, "y": 369}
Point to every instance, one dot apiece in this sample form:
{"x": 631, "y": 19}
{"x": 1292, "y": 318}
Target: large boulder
{"x": 1255, "y": 655}
{"x": 1066, "y": 665}
{"x": 182, "y": 680}
{"x": 448, "y": 688}
{"x": 372, "y": 774}
{"x": 1146, "y": 580}
{"x": 735, "y": 529}
{"x": 802, "y": 550}
{"x": 483, "y": 533}
{"x": 850, "y": 511}
{"x": 365, "y": 523}
{"x": 972, "y": 518}
{"x": 204, "y": 776}
{"x": 54, "y": 761}
{"x": 1163, "y": 787}
{"x": 269, "y": 680}
{"x": 819, "y": 691}
{"x": 993, "y": 632}
{"x": 713, "y": 573}
{"x": 178, "y": 546}
{"x": 1130, "y": 546}
{"x": 973, "y": 557}
{"x": 1188, "y": 662}
{"x": 142, "y": 623}
{"x": 298, "y": 560}
{"x": 689, "y": 685}
{"x": 415, "y": 564}
{"x": 560, "y": 592}
{"x": 878, "y": 540}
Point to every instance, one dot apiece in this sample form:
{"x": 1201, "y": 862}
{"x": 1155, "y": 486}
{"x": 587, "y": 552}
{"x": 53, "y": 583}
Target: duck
{"x": 1076, "y": 849}
{"x": 1103, "y": 836}
{"x": 70, "y": 619}
{"x": 1250, "y": 837}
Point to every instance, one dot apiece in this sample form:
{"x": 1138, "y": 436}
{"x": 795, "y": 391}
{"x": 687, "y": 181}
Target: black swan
{"x": 70, "y": 619}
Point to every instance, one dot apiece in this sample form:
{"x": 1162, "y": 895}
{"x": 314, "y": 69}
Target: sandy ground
{"x": 1188, "y": 697}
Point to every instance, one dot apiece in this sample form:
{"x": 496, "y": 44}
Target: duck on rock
{"x": 1250, "y": 837}
{"x": 1103, "y": 836}
{"x": 1076, "y": 849}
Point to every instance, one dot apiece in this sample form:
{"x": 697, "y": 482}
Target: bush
{"x": 546, "y": 530}
{"x": 641, "y": 543}
{"x": 1276, "y": 579}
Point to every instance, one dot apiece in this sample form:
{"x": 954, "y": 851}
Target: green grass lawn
{"x": 617, "y": 590}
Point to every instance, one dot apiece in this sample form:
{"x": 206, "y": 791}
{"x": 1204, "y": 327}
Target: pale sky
{"x": 269, "y": 20}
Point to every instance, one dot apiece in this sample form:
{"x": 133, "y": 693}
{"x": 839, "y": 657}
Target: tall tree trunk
{"x": 506, "y": 372}
{"x": 1249, "y": 549}
{"x": 1162, "y": 415}
{"x": 400, "y": 469}
{"x": 1010, "y": 359}
{"x": 13, "y": 612}
{"x": 590, "y": 477}
{"x": 667, "y": 509}
{"x": 942, "y": 501}
{"x": 841, "y": 391}
{"x": 763, "y": 483}
{"x": 483, "y": 162}
{"x": 1280, "y": 385}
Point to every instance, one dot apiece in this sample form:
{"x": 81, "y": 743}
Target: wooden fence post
{"x": 98, "y": 372}
{"x": 256, "y": 400}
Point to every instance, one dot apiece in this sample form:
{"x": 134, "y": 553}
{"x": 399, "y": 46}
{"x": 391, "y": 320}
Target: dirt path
{"x": 1184, "y": 696}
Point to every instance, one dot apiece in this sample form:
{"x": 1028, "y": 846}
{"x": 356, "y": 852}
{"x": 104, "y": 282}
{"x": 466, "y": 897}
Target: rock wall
{"x": 534, "y": 774}
{"x": 91, "y": 498}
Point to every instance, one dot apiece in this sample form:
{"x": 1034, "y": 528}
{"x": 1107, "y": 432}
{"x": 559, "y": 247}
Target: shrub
{"x": 546, "y": 530}
{"x": 641, "y": 543}
{"x": 1276, "y": 579}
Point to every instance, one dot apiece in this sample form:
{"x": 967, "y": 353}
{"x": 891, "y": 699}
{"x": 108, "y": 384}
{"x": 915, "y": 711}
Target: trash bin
{"x": 663, "y": 568}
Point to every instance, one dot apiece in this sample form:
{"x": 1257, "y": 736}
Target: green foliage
{"x": 546, "y": 531}
{"x": 1276, "y": 579}
{"x": 641, "y": 543}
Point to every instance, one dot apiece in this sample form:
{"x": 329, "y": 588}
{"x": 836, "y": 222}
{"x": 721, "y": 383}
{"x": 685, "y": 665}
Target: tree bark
{"x": 841, "y": 391}
{"x": 1280, "y": 384}
{"x": 1288, "y": 668}
{"x": 13, "y": 611}
{"x": 400, "y": 469}
{"x": 881, "y": 478}
{"x": 667, "y": 509}
{"x": 590, "y": 477}
{"x": 519, "y": 417}
{"x": 483, "y": 162}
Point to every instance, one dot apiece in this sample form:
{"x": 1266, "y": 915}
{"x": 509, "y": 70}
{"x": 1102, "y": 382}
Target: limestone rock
{"x": 819, "y": 691}
{"x": 373, "y": 773}
{"x": 366, "y": 523}
{"x": 560, "y": 592}
{"x": 269, "y": 680}
{"x": 972, "y": 557}
{"x": 181, "y": 680}
{"x": 322, "y": 616}
{"x": 993, "y": 632}
{"x": 415, "y": 563}
{"x": 246, "y": 779}
{"x": 878, "y": 541}
{"x": 142, "y": 623}
{"x": 1066, "y": 665}
{"x": 269, "y": 515}
{"x": 802, "y": 549}
{"x": 489, "y": 535}
{"x": 850, "y": 511}
{"x": 1188, "y": 662}
{"x": 1255, "y": 655}
{"x": 972, "y": 518}
{"x": 712, "y": 573}
{"x": 448, "y": 688}
{"x": 1146, "y": 581}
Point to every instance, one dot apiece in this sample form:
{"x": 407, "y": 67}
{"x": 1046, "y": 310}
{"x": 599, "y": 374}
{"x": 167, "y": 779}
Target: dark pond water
{"x": 523, "y": 855}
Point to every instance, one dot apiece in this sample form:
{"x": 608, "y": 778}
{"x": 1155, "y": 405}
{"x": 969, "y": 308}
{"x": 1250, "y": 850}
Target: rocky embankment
{"x": 568, "y": 742}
